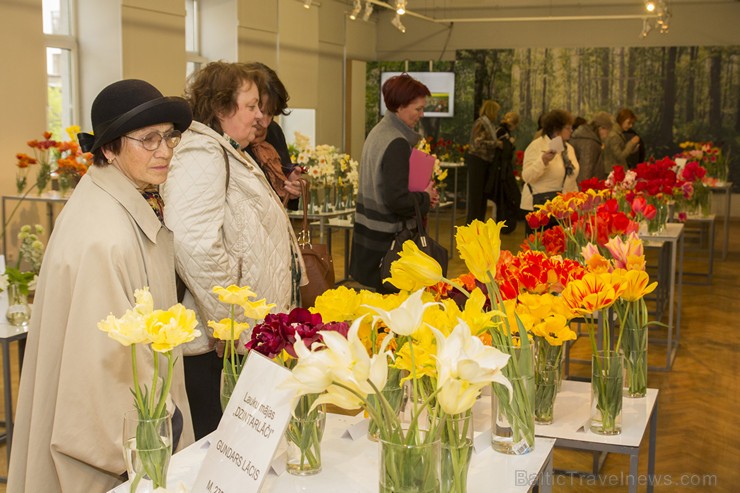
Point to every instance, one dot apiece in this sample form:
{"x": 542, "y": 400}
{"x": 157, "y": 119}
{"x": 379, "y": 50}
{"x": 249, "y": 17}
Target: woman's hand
{"x": 433, "y": 195}
{"x": 293, "y": 185}
{"x": 547, "y": 157}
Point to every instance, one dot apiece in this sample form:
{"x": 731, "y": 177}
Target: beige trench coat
{"x": 74, "y": 389}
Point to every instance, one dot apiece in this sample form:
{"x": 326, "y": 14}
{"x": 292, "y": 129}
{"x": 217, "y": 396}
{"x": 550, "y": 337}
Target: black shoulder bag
{"x": 425, "y": 243}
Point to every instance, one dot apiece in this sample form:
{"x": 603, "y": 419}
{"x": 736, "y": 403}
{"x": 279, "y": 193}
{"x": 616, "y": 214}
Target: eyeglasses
{"x": 152, "y": 141}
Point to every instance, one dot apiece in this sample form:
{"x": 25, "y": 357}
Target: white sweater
{"x": 546, "y": 178}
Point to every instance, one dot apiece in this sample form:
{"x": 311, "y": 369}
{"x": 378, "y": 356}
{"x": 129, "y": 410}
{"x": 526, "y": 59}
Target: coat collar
{"x": 110, "y": 179}
{"x": 408, "y": 133}
{"x": 242, "y": 157}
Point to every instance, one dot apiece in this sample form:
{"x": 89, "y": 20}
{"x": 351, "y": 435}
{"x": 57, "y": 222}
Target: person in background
{"x": 384, "y": 201}
{"x": 505, "y": 193}
{"x": 230, "y": 226}
{"x": 617, "y": 147}
{"x": 578, "y": 122}
{"x": 108, "y": 242}
{"x": 268, "y": 148}
{"x": 546, "y": 170}
{"x": 588, "y": 142}
{"x": 479, "y": 159}
{"x": 638, "y": 155}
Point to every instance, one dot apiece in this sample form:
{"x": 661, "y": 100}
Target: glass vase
{"x": 326, "y": 202}
{"x": 512, "y": 429}
{"x": 19, "y": 311}
{"x": 657, "y": 225}
{"x": 395, "y": 396}
{"x": 607, "y": 379}
{"x": 313, "y": 203}
{"x": 304, "y": 433}
{"x": 411, "y": 465}
{"x": 229, "y": 378}
{"x": 147, "y": 448}
{"x": 546, "y": 389}
{"x": 456, "y": 439}
{"x": 349, "y": 197}
{"x": 634, "y": 353}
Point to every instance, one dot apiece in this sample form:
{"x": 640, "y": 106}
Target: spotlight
{"x": 398, "y": 24}
{"x": 307, "y": 4}
{"x": 356, "y": 10}
{"x": 400, "y": 7}
{"x": 649, "y": 5}
{"x": 367, "y": 12}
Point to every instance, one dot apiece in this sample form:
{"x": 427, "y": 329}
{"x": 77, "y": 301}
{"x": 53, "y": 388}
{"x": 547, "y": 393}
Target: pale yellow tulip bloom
{"x": 223, "y": 330}
{"x": 414, "y": 269}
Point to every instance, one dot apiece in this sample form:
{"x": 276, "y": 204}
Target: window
{"x": 192, "y": 37}
{"x": 61, "y": 63}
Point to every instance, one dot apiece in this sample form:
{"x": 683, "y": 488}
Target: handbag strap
{"x": 419, "y": 224}
{"x": 304, "y": 235}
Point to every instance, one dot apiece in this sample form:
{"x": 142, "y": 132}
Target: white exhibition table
{"x": 570, "y": 427}
{"x": 351, "y": 465}
{"x": 8, "y": 334}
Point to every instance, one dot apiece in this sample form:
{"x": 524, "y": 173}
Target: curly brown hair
{"x": 212, "y": 90}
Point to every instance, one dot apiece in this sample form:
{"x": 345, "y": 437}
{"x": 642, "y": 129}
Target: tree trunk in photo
{"x": 621, "y": 77}
{"x": 528, "y": 85}
{"x": 491, "y": 94}
{"x": 580, "y": 82}
{"x": 631, "y": 69}
{"x": 691, "y": 84}
{"x": 544, "y": 81}
{"x": 480, "y": 79}
{"x": 605, "y": 73}
{"x": 715, "y": 96}
{"x": 668, "y": 109}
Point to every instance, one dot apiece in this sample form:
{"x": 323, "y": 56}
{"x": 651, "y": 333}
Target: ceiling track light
{"x": 368, "y": 11}
{"x": 307, "y": 4}
{"x": 650, "y": 6}
{"x": 396, "y": 22}
{"x": 356, "y": 10}
{"x": 400, "y": 7}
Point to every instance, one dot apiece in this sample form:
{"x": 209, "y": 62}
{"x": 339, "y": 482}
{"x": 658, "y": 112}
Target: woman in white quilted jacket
{"x": 229, "y": 224}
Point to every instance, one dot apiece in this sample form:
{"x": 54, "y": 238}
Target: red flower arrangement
{"x": 278, "y": 333}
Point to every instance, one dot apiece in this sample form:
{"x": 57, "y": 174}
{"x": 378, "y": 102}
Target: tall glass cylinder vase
{"x": 635, "y": 353}
{"x": 314, "y": 205}
{"x": 147, "y": 448}
{"x": 228, "y": 382}
{"x": 326, "y": 201}
{"x": 607, "y": 379}
{"x": 547, "y": 377}
{"x": 456, "y": 434}
{"x": 394, "y": 395}
{"x": 304, "y": 434}
{"x": 349, "y": 197}
{"x": 410, "y": 466}
{"x": 512, "y": 430}
{"x": 657, "y": 225}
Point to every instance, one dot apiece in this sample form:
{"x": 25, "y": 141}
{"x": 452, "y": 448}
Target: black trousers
{"x": 478, "y": 170}
{"x": 203, "y": 384}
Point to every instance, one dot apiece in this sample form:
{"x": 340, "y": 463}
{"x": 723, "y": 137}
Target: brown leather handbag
{"x": 316, "y": 257}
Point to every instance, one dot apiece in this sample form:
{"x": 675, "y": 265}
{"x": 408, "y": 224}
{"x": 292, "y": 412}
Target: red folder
{"x": 421, "y": 166}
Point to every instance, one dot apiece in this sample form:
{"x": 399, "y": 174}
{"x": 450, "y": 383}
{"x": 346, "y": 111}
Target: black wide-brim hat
{"x": 130, "y": 104}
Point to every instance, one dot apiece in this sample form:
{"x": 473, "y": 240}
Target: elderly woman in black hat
{"x": 108, "y": 241}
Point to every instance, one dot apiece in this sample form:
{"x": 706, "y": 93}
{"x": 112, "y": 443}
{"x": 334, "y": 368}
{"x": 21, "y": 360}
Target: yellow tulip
{"x": 414, "y": 269}
{"x": 223, "y": 330}
{"x": 555, "y": 330}
{"x": 234, "y": 295}
{"x": 637, "y": 285}
{"x": 127, "y": 330}
{"x": 144, "y": 301}
{"x": 479, "y": 245}
{"x": 591, "y": 293}
{"x": 170, "y": 328}
{"x": 338, "y": 305}
{"x": 256, "y": 309}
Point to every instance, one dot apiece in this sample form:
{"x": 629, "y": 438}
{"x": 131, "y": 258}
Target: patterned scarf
{"x": 269, "y": 161}
{"x": 151, "y": 195}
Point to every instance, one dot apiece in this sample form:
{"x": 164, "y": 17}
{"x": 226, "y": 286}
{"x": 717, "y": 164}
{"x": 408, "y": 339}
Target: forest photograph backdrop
{"x": 678, "y": 93}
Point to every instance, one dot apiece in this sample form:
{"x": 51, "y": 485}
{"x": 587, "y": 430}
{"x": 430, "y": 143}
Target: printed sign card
{"x": 249, "y": 433}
